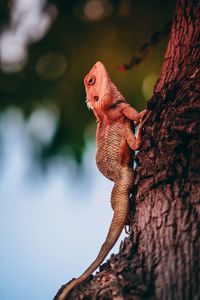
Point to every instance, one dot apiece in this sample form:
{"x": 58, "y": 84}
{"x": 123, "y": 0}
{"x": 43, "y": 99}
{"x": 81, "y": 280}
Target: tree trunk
{"x": 161, "y": 257}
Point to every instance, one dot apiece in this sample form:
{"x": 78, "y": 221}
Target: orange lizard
{"x": 115, "y": 144}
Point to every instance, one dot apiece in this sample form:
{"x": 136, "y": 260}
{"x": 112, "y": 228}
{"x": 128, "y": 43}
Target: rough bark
{"x": 161, "y": 257}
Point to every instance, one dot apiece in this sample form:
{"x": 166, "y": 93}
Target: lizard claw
{"x": 142, "y": 113}
{"x": 141, "y": 117}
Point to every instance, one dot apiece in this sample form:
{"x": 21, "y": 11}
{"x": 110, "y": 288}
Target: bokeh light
{"x": 97, "y": 9}
{"x": 43, "y": 124}
{"x": 93, "y": 10}
{"x": 51, "y": 65}
{"x": 29, "y": 22}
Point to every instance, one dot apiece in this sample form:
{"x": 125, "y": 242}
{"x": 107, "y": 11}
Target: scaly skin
{"x": 115, "y": 144}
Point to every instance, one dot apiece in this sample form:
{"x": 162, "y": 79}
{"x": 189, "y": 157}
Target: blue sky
{"x": 52, "y": 225}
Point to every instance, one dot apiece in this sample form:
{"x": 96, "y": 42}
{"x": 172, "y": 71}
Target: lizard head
{"x": 100, "y": 90}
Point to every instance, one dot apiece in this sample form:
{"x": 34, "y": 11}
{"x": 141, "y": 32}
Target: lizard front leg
{"x": 132, "y": 114}
{"x": 131, "y": 139}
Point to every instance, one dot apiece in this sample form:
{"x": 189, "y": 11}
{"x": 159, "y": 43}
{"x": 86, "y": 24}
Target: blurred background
{"x": 54, "y": 203}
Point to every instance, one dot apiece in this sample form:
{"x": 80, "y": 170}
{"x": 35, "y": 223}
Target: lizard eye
{"x": 92, "y": 80}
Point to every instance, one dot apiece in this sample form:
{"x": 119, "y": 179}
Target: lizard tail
{"x": 120, "y": 204}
